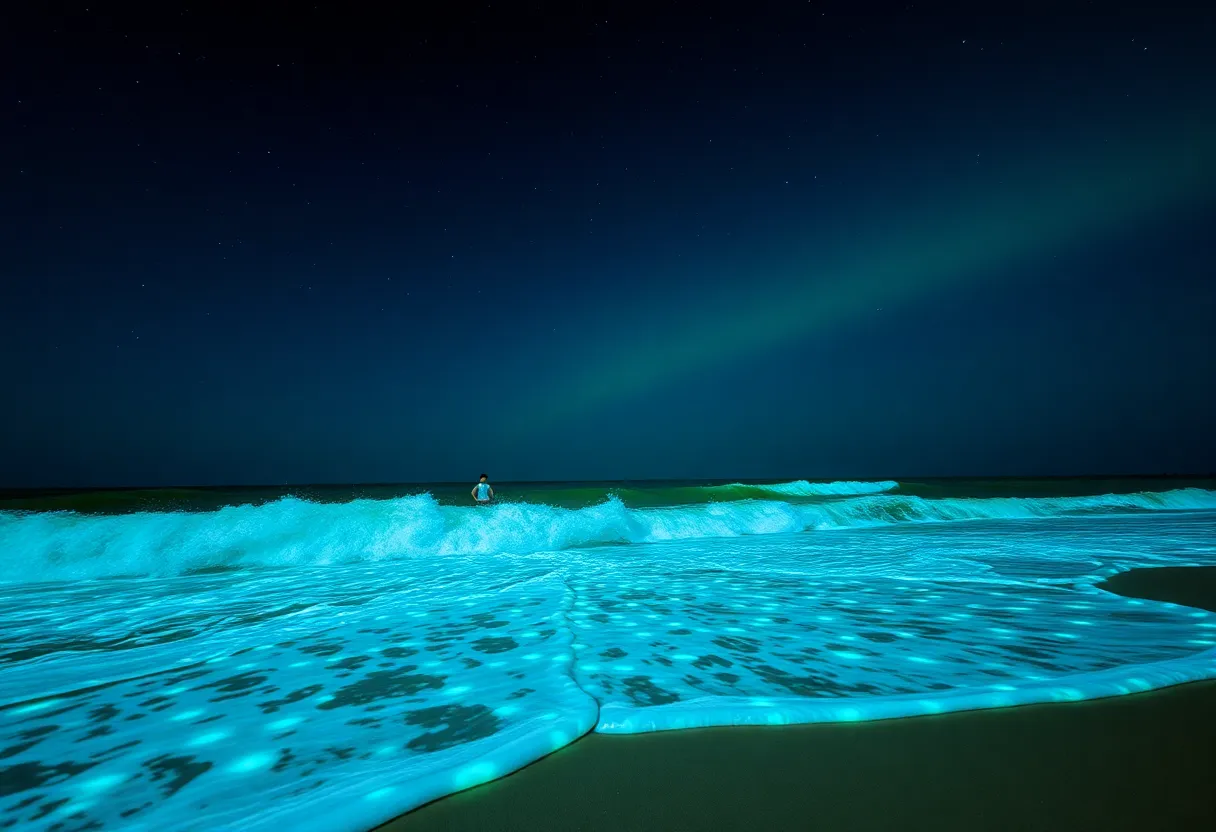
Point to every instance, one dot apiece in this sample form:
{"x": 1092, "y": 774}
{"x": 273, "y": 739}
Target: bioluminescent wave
{"x": 354, "y": 660}
{"x": 292, "y": 532}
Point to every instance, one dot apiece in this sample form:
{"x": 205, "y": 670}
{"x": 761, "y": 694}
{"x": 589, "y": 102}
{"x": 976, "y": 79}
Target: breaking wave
{"x": 39, "y": 546}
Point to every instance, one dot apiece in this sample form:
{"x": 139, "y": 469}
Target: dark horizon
{"x": 8, "y": 492}
{"x": 324, "y": 246}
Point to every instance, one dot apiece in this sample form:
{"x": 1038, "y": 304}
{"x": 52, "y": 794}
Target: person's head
{"x": 484, "y": 478}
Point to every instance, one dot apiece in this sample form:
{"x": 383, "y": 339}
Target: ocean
{"x": 330, "y": 657}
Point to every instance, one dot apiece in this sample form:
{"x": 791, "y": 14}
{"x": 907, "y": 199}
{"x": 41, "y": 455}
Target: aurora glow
{"x": 264, "y": 251}
{"x": 953, "y": 235}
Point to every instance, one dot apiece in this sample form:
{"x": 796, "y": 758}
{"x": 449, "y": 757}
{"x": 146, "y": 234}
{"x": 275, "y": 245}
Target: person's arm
{"x": 491, "y": 492}
{"x": 473, "y": 493}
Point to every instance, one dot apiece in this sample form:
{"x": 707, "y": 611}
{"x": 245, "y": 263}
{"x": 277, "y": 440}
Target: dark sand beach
{"x": 1146, "y": 761}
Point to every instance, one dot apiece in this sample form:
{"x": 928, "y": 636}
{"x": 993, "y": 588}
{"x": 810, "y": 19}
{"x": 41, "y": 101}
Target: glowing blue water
{"x": 384, "y": 654}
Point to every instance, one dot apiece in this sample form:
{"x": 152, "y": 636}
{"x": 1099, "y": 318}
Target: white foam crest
{"x": 804, "y": 488}
{"x": 294, "y": 532}
{"x": 890, "y": 509}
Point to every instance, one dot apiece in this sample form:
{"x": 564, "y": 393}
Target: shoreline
{"x": 1137, "y": 761}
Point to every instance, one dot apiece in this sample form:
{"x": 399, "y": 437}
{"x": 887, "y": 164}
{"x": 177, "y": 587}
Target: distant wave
{"x": 66, "y": 545}
{"x": 802, "y": 488}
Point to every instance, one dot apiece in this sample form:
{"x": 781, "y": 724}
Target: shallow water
{"x": 330, "y": 665}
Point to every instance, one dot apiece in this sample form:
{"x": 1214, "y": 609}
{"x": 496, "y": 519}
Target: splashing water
{"x": 328, "y": 666}
{"x": 39, "y": 546}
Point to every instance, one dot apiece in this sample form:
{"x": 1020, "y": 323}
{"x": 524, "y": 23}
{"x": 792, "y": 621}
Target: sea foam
{"x": 333, "y": 693}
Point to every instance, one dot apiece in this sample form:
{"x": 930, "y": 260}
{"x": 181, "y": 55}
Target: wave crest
{"x": 294, "y": 532}
{"x": 803, "y": 488}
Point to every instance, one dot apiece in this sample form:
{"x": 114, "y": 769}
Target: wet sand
{"x": 1146, "y": 761}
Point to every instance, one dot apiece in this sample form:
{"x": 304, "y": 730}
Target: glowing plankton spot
{"x": 506, "y": 710}
{"x": 922, "y": 660}
{"x": 474, "y": 774}
{"x": 532, "y": 657}
{"x": 103, "y": 783}
{"x": 684, "y": 657}
{"x": 185, "y": 715}
{"x": 253, "y": 762}
{"x": 34, "y": 707}
{"x": 285, "y": 723}
{"x": 1067, "y": 694}
{"x": 844, "y": 655}
{"x": 558, "y": 739}
{"x": 848, "y": 714}
{"x": 931, "y": 707}
{"x": 75, "y": 808}
{"x": 456, "y": 691}
{"x": 208, "y": 738}
{"x": 379, "y": 794}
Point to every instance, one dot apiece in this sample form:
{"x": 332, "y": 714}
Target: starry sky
{"x": 572, "y": 242}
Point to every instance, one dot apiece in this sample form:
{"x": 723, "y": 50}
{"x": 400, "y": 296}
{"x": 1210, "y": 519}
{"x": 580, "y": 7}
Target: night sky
{"x": 811, "y": 240}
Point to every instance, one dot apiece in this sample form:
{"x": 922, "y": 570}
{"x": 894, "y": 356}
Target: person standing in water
{"x": 483, "y": 492}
